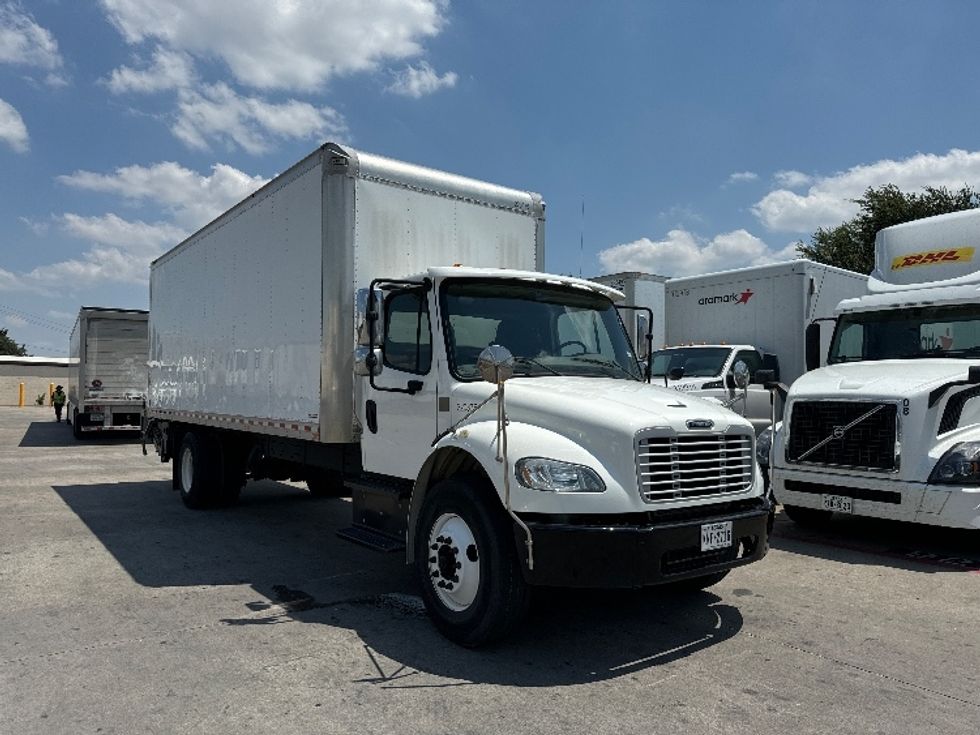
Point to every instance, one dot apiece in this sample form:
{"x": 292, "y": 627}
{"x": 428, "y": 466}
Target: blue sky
{"x": 699, "y": 135}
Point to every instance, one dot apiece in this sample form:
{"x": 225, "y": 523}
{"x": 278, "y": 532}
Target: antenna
{"x": 581, "y": 239}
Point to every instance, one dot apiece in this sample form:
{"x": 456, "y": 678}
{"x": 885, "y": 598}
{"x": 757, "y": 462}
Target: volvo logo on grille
{"x": 700, "y": 423}
{"x": 839, "y": 432}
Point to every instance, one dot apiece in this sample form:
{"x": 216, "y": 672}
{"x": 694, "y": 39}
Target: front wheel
{"x": 467, "y": 565}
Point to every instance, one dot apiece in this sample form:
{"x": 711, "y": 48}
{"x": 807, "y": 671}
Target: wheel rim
{"x": 186, "y": 469}
{"x": 453, "y": 562}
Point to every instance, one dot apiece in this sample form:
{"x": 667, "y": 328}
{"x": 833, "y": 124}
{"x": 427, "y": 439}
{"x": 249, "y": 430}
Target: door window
{"x": 408, "y": 341}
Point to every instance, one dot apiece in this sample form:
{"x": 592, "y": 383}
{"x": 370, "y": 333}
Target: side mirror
{"x": 496, "y": 364}
{"x": 973, "y": 374}
{"x": 367, "y": 361}
{"x": 812, "y": 345}
{"x": 765, "y": 377}
{"x": 642, "y": 327}
{"x": 676, "y": 373}
{"x": 741, "y": 373}
{"x": 769, "y": 362}
{"x": 363, "y": 312}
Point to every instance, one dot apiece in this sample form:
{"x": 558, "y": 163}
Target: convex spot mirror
{"x": 496, "y": 364}
{"x": 367, "y": 361}
{"x": 741, "y": 373}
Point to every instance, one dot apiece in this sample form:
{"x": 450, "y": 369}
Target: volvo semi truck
{"x": 368, "y": 324}
{"x": 108, "y": 373}
{"x": 890, "y": 427}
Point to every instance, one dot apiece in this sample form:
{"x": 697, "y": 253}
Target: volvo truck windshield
{"x": 550, "y": 330}
{"x": 901, "y": 334}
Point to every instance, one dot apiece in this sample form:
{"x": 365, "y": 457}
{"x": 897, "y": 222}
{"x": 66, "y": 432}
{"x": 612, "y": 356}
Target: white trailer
{"x": 645, "y": 290}
{"x": 890, "y": 428}
{"x": 340, "y": 325}
{"x": 108, "y": 374}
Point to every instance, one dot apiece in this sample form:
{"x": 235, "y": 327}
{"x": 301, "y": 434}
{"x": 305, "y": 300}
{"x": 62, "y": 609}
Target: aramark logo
{"x": 728, "y": 298}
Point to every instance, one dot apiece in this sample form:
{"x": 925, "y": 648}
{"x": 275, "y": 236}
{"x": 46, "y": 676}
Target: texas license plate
{"x": 96, "y": 417}
{"x": 838, "y": 503}
{"x": 716, "y": 535}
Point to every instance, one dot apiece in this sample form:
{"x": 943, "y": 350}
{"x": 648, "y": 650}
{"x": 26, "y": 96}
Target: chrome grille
{"x": 693, "y": 465}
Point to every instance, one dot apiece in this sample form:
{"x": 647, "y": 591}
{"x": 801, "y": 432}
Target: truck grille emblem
{"x": 700, "y": 423}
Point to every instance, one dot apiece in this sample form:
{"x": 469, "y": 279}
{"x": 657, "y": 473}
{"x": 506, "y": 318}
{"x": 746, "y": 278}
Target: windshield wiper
{"x": 532, "y": 361}
{"x": 605, "y": 363}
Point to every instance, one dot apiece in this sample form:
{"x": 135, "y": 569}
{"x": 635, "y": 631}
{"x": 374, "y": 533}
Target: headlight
{"x": 712, "y": 384}
{"x": 553, "y": 476}
{"x": 960, "y": 465}
{"x": 763, "y": 443}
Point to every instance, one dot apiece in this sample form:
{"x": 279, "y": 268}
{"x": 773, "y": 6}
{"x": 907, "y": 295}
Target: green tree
{"x": 851, "y": 245}
{"x": 9, "y": 347}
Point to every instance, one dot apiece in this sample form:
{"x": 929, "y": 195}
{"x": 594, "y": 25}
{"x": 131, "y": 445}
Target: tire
{"x": 474, "y": 594}
{"x": 809, "y": 517}
{"x": 199, "y": 471}
{"x": 326, "y": 484}
{"x": 696, "y": 584}
{"x": 76, "y": 429}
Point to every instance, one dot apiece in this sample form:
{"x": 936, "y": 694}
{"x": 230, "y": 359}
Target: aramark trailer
{"x": 890, "y": 428}
{"x": 108, "y": 373}
{"x": 368, "y": 322}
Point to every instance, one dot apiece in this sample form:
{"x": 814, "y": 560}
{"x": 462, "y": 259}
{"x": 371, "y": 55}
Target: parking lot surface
{"x": 123, "y": 612}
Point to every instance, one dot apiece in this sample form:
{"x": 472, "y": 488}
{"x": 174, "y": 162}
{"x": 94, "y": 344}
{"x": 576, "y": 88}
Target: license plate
{"x": 716, "y": 535}
{"x": 838, "y": 503}
{"x": 96, "y": 417}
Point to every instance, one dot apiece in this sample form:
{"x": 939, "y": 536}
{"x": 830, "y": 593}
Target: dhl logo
{"x": 933, "y": 257}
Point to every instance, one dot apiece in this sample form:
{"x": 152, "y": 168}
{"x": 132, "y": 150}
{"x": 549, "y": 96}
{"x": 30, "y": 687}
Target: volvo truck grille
{"x": 695, "y": 465}
{"x": 857, "y": 434}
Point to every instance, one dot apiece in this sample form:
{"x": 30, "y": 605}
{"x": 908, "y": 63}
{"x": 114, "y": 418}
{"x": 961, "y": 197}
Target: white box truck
{"x": 756, "y": 315}
{"x": 339, "y": 326}
{"x": 108, "y": 374}
{"x": 890, "y": 428}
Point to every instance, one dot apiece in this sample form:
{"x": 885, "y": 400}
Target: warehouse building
{"x": 37, "y": 374}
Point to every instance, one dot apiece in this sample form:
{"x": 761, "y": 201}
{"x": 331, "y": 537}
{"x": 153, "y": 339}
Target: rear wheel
{"x": 198, "y": 472}
{"x": 807, "y": 516}
{"x": 467, "y": 564}
{"x": 76, "y": 428}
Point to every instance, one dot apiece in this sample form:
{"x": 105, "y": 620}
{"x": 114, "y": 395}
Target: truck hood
{"x": 572, "y": 406}
{"x": 880, "y": 379}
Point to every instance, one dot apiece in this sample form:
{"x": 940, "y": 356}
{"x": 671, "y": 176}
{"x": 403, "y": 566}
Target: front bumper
{"x": 950, "y": 506}
{"x": 641, "y": 549}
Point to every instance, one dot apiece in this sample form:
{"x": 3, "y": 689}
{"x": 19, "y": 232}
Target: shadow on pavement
{"x": 873, "y": 541}
{"x": 281, "y": 542}
{"x": 54, "y": 434}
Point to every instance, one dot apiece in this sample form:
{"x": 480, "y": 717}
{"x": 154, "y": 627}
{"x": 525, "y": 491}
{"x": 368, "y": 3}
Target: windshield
{"x": 551, "y": 330}
{"x": 698, "y": 362}
{"x": 934, "y": 331}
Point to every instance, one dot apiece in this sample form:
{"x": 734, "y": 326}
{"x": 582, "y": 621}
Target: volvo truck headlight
{"x": 551, "y": 475}
{"x": 960, "y": 464}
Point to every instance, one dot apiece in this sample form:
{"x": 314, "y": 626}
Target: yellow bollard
{"x": 50, "y": 394}
{"x": 20, "y": 398}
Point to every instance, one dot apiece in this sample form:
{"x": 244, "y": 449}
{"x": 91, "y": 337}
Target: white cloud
{"x": 286, "y": 44}
{"x": 169, "y": 70}
{"x": 25, "y": 43}
{"x": 217, "y": 113}
{"x": 12, "y": 320}
{"x": 792, "y": 179}
{"x": 193, "y": 200}
{"x": 741, "y": 177}
{"x": 64, "y": 316}
{"x": 827, "y": 202}
{"x": 682, "y": 253}
{"x": 417, "y": 81}
{"x": 13, "y": 131}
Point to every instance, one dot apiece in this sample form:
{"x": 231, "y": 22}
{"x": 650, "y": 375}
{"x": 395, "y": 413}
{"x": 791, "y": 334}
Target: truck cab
{"x": 608, "y": 481}
{"x": 890, "y": 428}
{"x": 708, "y": 370}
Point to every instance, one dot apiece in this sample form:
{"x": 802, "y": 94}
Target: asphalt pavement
{"x": 124, "y": 612}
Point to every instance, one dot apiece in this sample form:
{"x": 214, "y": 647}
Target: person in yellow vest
{"x": 58, "y": 399}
